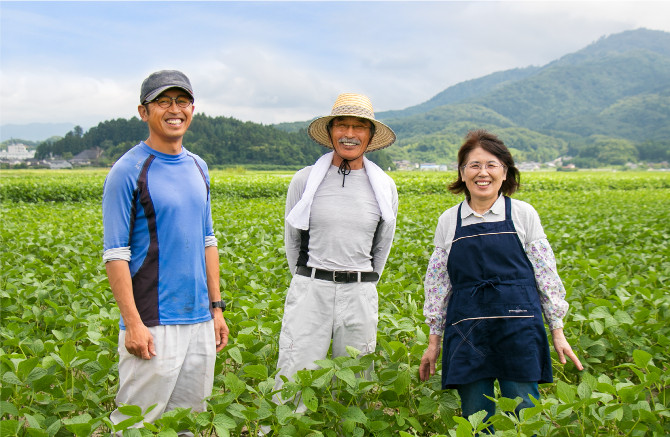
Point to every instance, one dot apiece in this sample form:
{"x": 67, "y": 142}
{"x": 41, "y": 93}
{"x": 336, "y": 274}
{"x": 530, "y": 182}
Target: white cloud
{"x": 273, "y": 62}
{"x": 53, "y": 96}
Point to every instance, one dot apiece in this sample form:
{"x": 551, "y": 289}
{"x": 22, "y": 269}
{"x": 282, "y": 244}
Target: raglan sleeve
{"x": 383, "y": 239}
{"x": 117, "y": 209}
{"x": 291, "y": 234}
{"x": 210, "y": 238}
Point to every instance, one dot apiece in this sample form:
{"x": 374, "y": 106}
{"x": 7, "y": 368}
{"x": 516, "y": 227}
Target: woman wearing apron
{"x": 490, "y": 279}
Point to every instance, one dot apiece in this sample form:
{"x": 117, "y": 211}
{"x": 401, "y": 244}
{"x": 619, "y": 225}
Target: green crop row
{"x": 59, "y": 322}
{"x": 87, "y": 185}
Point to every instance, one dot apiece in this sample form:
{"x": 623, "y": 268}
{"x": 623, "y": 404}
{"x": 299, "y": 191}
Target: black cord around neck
{"x": 344, "y": 168}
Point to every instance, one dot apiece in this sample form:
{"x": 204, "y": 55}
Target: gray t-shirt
{"x": 342, "y": 222}
{"x": 346, "y": 231}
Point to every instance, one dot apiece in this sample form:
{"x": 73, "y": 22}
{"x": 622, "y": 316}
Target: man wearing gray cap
{"x": 162, "y": 260}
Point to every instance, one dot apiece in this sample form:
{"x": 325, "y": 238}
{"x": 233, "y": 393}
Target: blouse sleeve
{"x": 437, "y": 288}
{"x": 549, "y": 284}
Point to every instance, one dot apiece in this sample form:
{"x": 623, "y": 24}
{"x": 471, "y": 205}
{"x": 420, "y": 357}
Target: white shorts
{"x": 180, "y": 375}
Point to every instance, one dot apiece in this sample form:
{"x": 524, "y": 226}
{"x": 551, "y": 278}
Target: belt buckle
{"x": 346, "y": 277}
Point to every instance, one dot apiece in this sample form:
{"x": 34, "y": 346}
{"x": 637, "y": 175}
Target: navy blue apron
{"x": 494, "y": 326}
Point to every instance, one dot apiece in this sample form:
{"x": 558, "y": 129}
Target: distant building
{"x": 404, "y": 165}
{"x": 17, "y": 152}
{"x": 58, "y": 165}
{"x": 432, "y": 167}
{"x": 528, "y": 166}
{"x": 86, "y": 157}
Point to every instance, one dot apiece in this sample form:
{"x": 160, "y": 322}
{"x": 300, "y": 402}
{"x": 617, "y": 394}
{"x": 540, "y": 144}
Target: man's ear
{"x": 144, "y": 113}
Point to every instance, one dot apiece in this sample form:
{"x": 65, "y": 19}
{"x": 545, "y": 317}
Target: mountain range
{"x": 614, "y": 93}
{"x": 617, "y": 88}
{"x": 607, "y": 104}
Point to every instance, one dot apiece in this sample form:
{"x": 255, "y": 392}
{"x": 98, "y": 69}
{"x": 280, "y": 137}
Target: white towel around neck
{"x": 299, "y": 215}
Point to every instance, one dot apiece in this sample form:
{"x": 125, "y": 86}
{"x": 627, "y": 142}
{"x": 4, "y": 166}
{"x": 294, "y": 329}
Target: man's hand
{"x": 430, "y": 356}
{"x": 220, "y": 330}
{"x": 563, "y": 348}
{"x": 140, "y": 342}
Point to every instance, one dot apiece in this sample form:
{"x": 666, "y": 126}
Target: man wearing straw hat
{"x": 340, "y": 221}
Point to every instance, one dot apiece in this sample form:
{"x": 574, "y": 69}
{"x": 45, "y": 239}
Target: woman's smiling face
{"x": 484, "y": 182}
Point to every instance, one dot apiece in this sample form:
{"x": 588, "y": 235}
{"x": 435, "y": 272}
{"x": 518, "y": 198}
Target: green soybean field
{"x": 59, "y": 320}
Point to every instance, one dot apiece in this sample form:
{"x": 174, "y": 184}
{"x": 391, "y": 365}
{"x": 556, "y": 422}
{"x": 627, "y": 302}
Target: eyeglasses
{"x": 491, "y": 166}
{"x": 358, "y": 128}
{"x": 165, "y": 101}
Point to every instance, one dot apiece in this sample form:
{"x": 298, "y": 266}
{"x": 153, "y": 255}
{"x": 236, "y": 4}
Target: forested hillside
{"x": 607, "y": 104}
{"x": 221, "y": 141}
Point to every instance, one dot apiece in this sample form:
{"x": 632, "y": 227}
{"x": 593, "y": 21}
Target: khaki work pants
{"x": 318, "y": 311}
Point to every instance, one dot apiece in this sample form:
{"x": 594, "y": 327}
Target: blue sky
{"x": 268, "y": 62}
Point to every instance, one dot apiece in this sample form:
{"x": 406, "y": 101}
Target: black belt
{"x": 338, "y": 277}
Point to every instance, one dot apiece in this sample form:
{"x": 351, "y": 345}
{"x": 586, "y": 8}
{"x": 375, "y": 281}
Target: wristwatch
{"x": 219, "y": 304}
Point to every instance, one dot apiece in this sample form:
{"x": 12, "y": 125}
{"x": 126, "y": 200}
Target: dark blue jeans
{"x": 473, "y": 399}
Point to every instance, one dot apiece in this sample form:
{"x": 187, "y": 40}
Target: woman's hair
{"x": 493, "y": 145}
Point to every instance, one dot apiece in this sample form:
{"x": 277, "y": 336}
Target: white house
{"x": 17, "y": 151}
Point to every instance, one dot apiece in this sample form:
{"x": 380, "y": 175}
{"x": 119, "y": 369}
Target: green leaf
{"x": 8, "y": 408}
{"x": 623, "y": 318}
{"x": 67, "y": 353}
{"x": 79, "y": 425}
{"x": 322, "y": 377}
{"x": 283, "y": 413}
{"x": 402, "y": 382}
{"x": 597, "y": 327}
{"x": 347, "y": 375}
{"x": 378, "y": 425}
{"x": 309, "y": 398}
{"x": 507, "y": 404}
{"x": 641, "y": 358}
{"x": 464, "y": 428}
{"x": 222, "y": 421}
{"x": 11, "y": 378}
{"x": 32, "y": 421}
{"x": 9, "y": 427}
{"x": 584, "y": 390}
{"x": 565, "y": 392}
{"x": 477, "y": 418}
{"x": 427, "y": 405}
{"x": 53, "y": 428}
{"x": 597, "y": 350}
{"x": 352, "y": 351}
{"x": 257, "y": 371}
{"x": 355, "y": 414}
{"x": 130, "y": 410}
{"x": 234, "y": 384}
{"x": 235, "y": 354}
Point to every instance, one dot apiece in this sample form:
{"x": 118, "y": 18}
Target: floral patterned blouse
{"x": 437, "y": 285}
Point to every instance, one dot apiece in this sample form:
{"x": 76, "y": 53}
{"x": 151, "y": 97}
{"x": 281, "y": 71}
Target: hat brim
{"x": 383, "y": 137}
{"x": 155, "y": 93}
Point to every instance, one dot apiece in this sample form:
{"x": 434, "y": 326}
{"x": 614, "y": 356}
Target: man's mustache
{"x": 349, "y": 140}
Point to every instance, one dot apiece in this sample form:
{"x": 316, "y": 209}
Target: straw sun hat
{"x": 352, "y": 105}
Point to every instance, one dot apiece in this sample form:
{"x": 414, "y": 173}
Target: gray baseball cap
{"x": 162, "y": 80}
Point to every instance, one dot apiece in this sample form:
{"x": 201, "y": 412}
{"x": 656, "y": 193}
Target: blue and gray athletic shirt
{"x": 157, "y": 216}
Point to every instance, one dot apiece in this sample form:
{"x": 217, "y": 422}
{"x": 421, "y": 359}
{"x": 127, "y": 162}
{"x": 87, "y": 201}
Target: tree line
{"x": 220, "y": 141}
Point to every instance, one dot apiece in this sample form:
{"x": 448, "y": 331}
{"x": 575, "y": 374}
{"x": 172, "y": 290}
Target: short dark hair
{"x": 495, "y": 146}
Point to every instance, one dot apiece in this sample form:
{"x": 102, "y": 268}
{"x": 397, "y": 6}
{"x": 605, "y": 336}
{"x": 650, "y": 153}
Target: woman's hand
{"x": 563, "y": 348}
{"x": 430, "y": 356}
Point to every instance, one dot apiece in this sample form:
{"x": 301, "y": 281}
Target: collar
{"x": 498, "y": 208}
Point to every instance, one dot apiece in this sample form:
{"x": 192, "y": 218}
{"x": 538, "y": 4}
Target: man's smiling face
{"x": 350, "y": 136}
{"x": 171, "y": 123}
